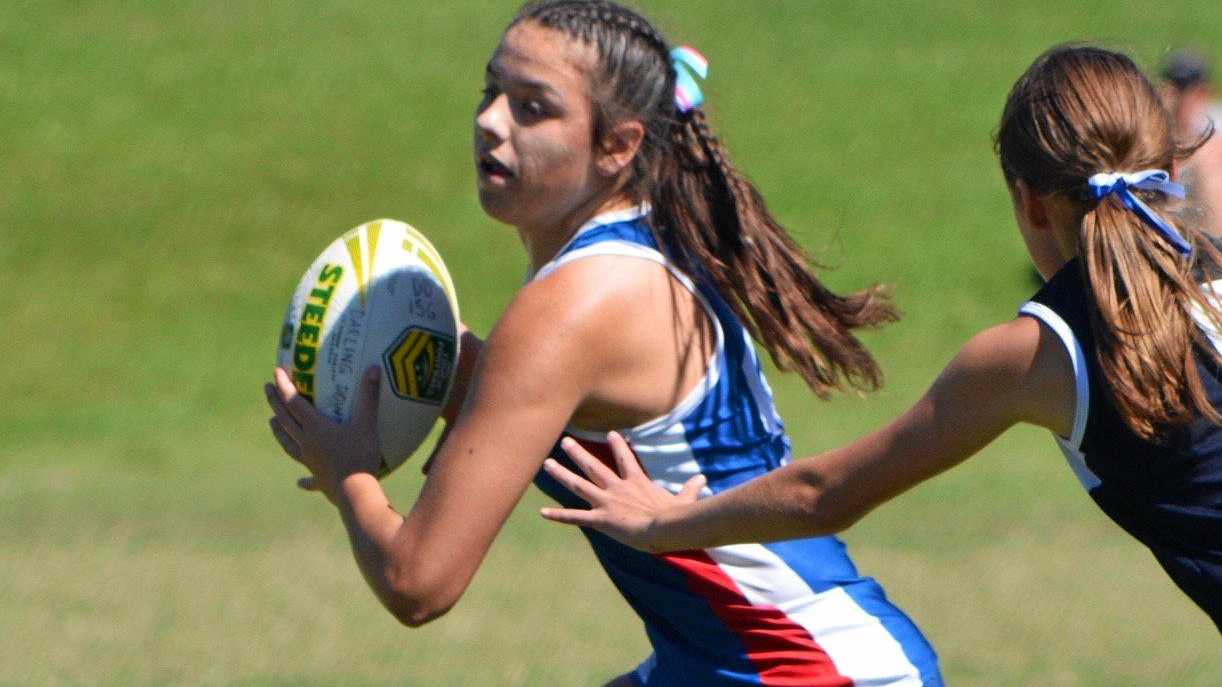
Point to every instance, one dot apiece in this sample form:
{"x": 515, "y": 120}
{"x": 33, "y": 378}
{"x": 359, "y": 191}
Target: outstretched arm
{"x": 1015, "y": 372}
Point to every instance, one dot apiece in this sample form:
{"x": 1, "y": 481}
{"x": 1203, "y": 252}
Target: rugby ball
{"x": 379, "y": 294}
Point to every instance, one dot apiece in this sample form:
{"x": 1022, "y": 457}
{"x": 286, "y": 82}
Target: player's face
{"x": 533, "y": 130}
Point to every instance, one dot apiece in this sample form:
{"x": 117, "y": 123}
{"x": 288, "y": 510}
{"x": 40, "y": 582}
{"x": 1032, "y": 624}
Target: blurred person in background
{"x": 1187, "y": 91}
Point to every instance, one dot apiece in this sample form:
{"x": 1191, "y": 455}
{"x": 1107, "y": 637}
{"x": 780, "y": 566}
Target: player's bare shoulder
{"x": 1023, "y": 364}
{"x": 607, "y": 298}
{"x": 567, "y": 324}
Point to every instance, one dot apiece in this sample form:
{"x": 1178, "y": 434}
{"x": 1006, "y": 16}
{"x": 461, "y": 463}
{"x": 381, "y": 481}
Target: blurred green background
{"x": 169, "y": 168}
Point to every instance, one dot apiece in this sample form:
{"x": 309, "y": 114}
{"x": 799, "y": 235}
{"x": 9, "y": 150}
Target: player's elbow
{"x": 414, "y": 601}
{"x": 823, "y": 511}
{"x": 416, "y": 615}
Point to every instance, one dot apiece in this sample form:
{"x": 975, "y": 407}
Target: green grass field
{"x": 170, "y": 168}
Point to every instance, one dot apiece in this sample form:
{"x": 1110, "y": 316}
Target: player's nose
{"x": 492, "y": 122}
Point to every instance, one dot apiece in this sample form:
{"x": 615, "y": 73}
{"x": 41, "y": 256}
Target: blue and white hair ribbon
{"x": 688, "y": 63}
{"x": 1107, "y": 183}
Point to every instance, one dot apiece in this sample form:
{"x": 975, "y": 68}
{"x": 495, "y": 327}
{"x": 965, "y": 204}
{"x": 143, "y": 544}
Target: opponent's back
{"x": 1166, "y": 493}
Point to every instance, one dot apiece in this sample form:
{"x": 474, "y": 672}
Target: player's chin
{"x": 499, "y": 204}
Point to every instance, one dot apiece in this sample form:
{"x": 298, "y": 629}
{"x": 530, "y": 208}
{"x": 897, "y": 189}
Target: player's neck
{"x": 544, "y": 242}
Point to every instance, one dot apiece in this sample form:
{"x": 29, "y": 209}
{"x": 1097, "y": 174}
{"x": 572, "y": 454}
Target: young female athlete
{"x": 653, "y": 262}
{"x": 1117, "y": 354}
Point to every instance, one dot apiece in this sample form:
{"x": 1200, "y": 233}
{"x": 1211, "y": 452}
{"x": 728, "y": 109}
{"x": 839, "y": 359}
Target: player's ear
{"x": 1031, "y": 205}
{"x": 619, "y": 147}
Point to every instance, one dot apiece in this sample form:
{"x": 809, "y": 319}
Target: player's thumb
{"x": 691, "y": 488}
{"x": 366, "y": 414}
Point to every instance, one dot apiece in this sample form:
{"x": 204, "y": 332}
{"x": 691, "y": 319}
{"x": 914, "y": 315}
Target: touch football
{"x": 379, "y": 294}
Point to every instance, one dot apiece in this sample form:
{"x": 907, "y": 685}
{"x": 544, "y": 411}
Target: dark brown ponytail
{"x": 709, "y": 218}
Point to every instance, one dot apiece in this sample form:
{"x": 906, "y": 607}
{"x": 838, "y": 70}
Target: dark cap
{"x": 1186, "y": 68}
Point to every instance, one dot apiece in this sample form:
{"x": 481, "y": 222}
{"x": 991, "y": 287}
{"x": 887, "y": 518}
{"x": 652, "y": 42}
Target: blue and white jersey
{"x": 1169, "y": 494}
{"x": 787, "y": 613}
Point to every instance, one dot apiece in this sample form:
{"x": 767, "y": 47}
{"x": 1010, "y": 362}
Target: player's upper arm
{"x": 536, "y": 367}
{"x": 1014, "y": 372}
{"x": 1011, "y": 373}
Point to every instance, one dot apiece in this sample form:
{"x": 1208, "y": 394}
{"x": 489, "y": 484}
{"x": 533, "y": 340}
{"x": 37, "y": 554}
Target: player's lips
{"x": 493, "y": 169}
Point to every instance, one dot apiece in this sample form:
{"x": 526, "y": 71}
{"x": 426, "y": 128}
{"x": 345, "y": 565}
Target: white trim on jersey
{"x": 857, "y": 642}
{"x": 661, "y": 443}
{"x": 612, "y": 217}
{"x": 716, "y": 359}
{"x": 1213, "y": 290}
{"x": 665, "y": 455}
{"x": 1071, "y": 446}
{"x": 758, "y": 385}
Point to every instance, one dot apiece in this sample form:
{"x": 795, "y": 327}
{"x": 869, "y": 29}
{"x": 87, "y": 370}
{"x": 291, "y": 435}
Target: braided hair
{"x": 707, "y": 216}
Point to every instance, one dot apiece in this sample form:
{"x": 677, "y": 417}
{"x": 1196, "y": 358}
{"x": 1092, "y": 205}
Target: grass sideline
{"x": 172, "y": 167}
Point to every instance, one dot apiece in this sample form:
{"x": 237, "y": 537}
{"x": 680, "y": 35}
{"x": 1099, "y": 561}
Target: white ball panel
{"x": 380, "y": 302}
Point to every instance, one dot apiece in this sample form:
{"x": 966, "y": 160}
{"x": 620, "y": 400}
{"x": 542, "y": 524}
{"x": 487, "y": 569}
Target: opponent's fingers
{"x": 570, "y": 480}
{"x": 593, "y": 468}
{"x": 571, "y": 516}
{"x": 366, "y": 415}
{"x": 625, "y": 459}
{"x": 285, "y": 439}
{"x": 294, "y": 403}
{"x": 691, "y": 488}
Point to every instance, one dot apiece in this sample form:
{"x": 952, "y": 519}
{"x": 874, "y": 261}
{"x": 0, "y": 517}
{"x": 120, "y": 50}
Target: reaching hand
{"x": 330, "y": 451}
{"x": 624, "y": 506}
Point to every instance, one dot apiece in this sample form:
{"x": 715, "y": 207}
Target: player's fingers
{"x": 691, "y": 488}
{"x": 367, "y": 402}
{"x": 308, "y": 483}
{"x": 285, "y": 439}
{"x": 277, "y": 406}
{"x": 580, "y": 486}
{"x": 595, "y": 470}
{"x": 297, "y": 406}
{"x": 570, "y": 516}
{"x": 625, "y": 459}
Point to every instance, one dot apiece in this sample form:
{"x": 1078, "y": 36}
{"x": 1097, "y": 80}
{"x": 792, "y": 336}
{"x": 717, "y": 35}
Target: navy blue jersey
{"x": 784, "y": 613}
{"x": 1166, "y": 493}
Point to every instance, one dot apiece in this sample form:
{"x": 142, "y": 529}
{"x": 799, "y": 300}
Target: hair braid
{"x": 707, "y": 216}
{"x": 779, "y": 299}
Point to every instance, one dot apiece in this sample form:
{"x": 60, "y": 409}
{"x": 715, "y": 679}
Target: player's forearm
{"x": 469, "y": 349}
{"x": 785, "y": 504}
{"x": 383, "y": 552}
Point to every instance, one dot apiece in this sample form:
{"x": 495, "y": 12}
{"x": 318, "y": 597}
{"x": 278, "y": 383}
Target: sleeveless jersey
{"x": 1166, "y": 494}
{"x": 787, "y": 613}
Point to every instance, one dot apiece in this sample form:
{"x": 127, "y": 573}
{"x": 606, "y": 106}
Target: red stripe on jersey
{"x": 782, "y": 651}
{"x": 599, "y": 449}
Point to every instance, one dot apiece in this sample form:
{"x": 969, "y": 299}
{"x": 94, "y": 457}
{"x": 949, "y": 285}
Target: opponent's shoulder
{"x": 1025, "y": 367}
{"x": 1005, "y": 351}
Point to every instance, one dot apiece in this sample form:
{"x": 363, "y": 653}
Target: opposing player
{"x": 1117, "y": 354}
{"x": 652, "y": 264}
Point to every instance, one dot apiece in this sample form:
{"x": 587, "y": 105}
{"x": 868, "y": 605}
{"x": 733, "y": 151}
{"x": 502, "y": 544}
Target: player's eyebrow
{"x": 494, "y": 74}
